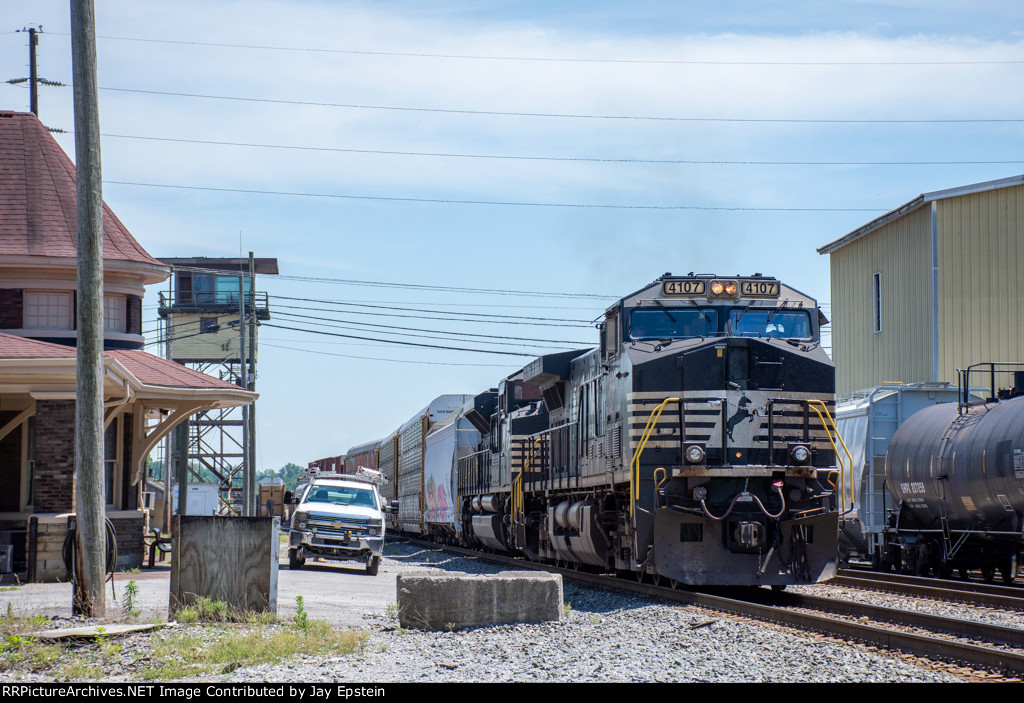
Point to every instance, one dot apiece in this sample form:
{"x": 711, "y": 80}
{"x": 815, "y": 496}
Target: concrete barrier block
{"x": 455, "y": 601}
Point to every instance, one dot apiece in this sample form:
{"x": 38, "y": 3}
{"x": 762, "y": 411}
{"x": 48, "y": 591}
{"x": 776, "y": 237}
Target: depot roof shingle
{"x": 38, "y": 212}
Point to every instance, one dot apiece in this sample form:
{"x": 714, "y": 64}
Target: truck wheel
{"x": 293, "y": 559}
{"x": 372, "y": 564}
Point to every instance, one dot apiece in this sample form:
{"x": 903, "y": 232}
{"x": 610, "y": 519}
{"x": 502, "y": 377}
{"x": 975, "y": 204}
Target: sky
{"x": 527, "y": 161}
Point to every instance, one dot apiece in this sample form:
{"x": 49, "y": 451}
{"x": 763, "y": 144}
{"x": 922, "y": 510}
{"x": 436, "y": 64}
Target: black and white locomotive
{"x": 692, "y": 445}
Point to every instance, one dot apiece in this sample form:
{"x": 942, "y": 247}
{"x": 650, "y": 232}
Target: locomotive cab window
{"x": 610, "y": 336}
{"x": 672, "y": 323}
{"x": 765, "y": 322}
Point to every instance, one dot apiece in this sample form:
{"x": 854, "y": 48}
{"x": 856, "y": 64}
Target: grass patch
{"x": 211, "y": 610}
{"x": 222, "y": 650}
{"x": 174, "y": 654}
{"x": 20, "y": 651}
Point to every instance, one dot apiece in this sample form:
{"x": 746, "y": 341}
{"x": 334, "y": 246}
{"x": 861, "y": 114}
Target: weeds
{"x": 301, "y": 619}
{"x": 130, "y": 599}
{"x": 222, "y": 642}
{"x": 181, "y": 655}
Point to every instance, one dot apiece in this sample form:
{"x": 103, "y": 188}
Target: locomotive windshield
{"x": 673, "y": 323}
{"x": 684, "y": 323}
{"x": 789, "y": 324}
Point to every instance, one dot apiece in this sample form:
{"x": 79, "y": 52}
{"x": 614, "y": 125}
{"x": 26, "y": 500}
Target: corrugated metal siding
{"x": 981, "y": 256}
{"x": 189, "y": 344}
{"x": 901, "y": 351}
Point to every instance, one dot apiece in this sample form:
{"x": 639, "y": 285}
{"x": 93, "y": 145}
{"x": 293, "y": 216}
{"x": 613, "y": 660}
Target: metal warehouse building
{"x": 929, "y": 287}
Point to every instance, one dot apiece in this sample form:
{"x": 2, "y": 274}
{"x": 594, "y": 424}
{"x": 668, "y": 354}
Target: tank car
{"x": 955, "y": 473}
{"x": 692, "y": 444}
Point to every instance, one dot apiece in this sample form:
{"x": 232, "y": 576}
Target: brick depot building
{"x": 145, "y": 396}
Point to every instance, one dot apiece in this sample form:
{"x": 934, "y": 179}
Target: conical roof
{"x": 38, "y": 212}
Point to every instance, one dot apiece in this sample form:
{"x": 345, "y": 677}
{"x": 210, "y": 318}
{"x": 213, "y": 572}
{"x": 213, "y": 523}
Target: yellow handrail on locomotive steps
{"x": 839, "y": 461}
{"x": 518, "y": 511}
{"x": 652, "y": 420}
{"x": 634, "y": 465}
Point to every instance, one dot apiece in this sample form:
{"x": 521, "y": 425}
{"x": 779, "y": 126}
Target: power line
{"x": 453, "y": 201}
{"x": 567, "y": 159}
{"x": 556, "y": 59}
{"x": 498, "y": 319}
{"x": 502, "y": 113}
{"x": 424, "y": 286}
{"x": 408, "y": 331}
{"x": 410, "y": 344}
{"x": 377, "y": 358}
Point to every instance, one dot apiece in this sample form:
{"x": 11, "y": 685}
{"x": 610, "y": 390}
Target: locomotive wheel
{"x": 988, "y": 574}
{"x": 1006, "y": 572}
{"x": 963, "y": 573}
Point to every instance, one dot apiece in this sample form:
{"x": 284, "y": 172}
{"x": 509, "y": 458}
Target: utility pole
{"x": 90, "y": 551}
{"x": 251, "y": 419}
{"x": 33, "y": 75}
{"x": 243, "y": 381}
{"x": 33, "y": 80}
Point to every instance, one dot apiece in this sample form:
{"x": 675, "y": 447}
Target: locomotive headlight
{"x": 730, "y": 288}
{"x": 799, "y": 453}
{"x": 717, "y": 287}
{"x": 695, "y": 454}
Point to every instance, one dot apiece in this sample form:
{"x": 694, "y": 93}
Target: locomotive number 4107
{"x": 768, "y": 289}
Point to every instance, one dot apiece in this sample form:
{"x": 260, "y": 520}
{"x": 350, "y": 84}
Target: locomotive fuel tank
{"x": 968, "y": 467}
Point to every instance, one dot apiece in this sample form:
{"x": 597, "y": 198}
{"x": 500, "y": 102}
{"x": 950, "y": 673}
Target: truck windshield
{"x": 672, "y": 323}
{"x": 342, "y": 495}
{"x": 788, "y": 324}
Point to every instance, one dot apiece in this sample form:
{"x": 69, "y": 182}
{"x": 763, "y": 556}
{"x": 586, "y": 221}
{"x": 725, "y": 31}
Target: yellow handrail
{"x": 849, "y": 457}
{"x": 634, "y": 465}
{"x": 517, "y": 483}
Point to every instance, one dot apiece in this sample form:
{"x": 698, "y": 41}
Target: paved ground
{"x": 339, "y": 592}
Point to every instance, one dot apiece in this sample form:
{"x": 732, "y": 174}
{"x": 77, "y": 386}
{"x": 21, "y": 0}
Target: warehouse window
{"x": 876, "y": 291}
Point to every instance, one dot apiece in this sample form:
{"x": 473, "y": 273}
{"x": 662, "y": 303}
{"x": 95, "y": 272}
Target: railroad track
{"x": 929, "y": 636}
{"x": 1003, "y": 597}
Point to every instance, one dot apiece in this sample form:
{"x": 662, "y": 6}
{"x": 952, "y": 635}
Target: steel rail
{"x": 1011, "y": 636}
{"x": 1014, "y": 590}
{"x": 934, "y": 588}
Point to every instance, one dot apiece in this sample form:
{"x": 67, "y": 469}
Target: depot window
{"x": 48, "y": 310}
{"x": 114, "y": 313}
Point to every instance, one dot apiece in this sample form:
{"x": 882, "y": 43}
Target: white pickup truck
{"x": 340, "y": 518}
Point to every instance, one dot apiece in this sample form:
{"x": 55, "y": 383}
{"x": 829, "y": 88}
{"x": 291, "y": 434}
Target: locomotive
{"x": 694, "y": 444}
{"x": 953, "y": 479}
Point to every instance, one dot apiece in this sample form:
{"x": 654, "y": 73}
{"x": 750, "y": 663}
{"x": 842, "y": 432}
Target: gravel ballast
{"x": 603, "y": 636}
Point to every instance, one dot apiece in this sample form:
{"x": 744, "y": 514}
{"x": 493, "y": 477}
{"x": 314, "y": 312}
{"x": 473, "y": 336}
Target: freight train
{"x": 939, "y": 475}
{"x": 694, "y": 444}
